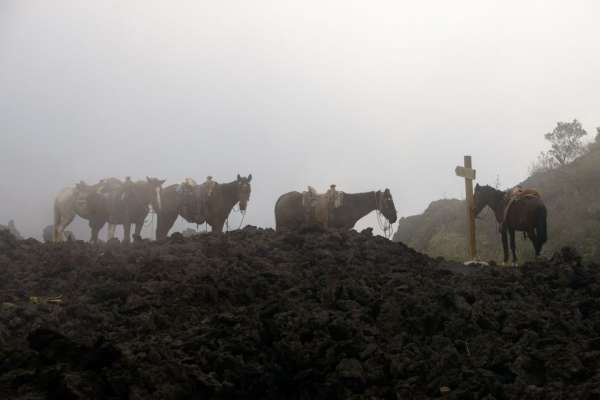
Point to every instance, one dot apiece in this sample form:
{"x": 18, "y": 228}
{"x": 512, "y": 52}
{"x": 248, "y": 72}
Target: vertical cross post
{"x": 470, "y": 210}
{"x": 469, "y": 174}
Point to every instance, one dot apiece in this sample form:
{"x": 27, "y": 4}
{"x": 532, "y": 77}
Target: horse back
{"x": 523, "y": 213}
{"x": 289, "y": 211}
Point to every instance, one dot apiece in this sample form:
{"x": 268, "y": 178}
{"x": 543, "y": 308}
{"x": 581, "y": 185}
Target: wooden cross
{"x": 469, "y": 174}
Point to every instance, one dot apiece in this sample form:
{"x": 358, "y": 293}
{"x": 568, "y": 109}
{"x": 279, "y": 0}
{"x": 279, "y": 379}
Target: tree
{"x": 544, "y": 163}
{"x": 566, "y": 141}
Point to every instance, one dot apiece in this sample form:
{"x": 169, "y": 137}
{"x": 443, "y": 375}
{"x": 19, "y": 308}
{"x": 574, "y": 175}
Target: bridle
{"x": 234, "y": 210}
{"x": 384, "y": 224}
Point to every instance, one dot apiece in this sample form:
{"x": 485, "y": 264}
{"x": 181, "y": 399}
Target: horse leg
{"x": 164, "y": 222}
{"x": 513, "y": 246}
{"x": 137, "y": 234}
{"x": 94, "y": 237}
{"x": 127, "y": 232}
{"x": 95, "y": 227}
{"x": 534, "y": 240}
{"x": 111, "y": 231}
{"x": 217, "y": 227}
{"x": 505, "y": 246}
{"x": 59, "y": 228}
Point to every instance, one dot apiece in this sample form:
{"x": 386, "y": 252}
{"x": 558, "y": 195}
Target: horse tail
{"x": 541, "y": 227}
{"x": 55, "y": 233}
{"x": 277, "y": 217}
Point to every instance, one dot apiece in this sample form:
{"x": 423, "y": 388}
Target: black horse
{"x": 528, "y": 215}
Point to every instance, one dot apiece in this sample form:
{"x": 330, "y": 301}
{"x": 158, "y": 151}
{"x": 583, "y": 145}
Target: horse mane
{"x": 229, "y": 185}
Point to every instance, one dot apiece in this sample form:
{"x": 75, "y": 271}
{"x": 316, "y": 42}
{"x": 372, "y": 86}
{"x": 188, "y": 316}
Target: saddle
{"x": 194, "y": 199}
{"x": 117, "y": 193}
{"x": 516, "y": 195}
{"x": 83, "y": 191}
{"x": 318, "y": 207}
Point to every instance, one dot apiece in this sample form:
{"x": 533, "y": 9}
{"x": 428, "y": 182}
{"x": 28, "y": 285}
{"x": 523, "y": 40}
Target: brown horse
{"x": 126, "y": 205}
{"x": 219, "y": 204}
{"x": 290, "y": 213}
{"x": 525, "y": 215}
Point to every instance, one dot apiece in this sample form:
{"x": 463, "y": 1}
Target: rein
{"x": 243, "y": 213}
{"x": 384, "y": 224}
{"x": 150, "y": 218}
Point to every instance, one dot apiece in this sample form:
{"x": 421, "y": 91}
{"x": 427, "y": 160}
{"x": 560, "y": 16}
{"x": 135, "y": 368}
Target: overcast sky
{"x": 364, "y": 94}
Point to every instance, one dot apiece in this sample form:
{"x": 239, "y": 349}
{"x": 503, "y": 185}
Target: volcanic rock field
{"x": 307, "y": 315}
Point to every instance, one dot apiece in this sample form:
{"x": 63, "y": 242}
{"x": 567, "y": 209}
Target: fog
{"x": 366, "y": 95}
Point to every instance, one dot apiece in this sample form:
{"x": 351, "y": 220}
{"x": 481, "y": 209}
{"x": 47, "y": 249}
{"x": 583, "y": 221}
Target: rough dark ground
{"x": 255, "y": 314}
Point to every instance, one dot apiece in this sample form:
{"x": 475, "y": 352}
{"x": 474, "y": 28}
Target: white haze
{"x": 366, "y": 95}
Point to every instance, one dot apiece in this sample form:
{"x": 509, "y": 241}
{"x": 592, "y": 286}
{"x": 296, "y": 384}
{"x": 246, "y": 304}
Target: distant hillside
{"x": 571, "y": 193}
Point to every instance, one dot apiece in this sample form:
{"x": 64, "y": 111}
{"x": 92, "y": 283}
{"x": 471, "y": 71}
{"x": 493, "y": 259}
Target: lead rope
{"x": 149, "y": 218}
{"x": 243, "y": 213}
{"x": 243, "y": 217}
{"x": 384, "y": 225}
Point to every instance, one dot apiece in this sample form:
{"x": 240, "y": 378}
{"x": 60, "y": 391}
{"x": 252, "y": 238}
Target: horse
{"x": 125, "y": 205}
{"x": 219, "y": 204}
{"x": 290, "y": 213}
{"x": 72, "y": 201}
{"x": 525, "y": 215}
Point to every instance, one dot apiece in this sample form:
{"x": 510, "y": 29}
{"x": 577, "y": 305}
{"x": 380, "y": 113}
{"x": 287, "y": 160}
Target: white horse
{"x": 72, "y": 201}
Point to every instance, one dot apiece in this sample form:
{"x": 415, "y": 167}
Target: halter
{"x": 243, "y": 213}
{"x": 385, "y": 225}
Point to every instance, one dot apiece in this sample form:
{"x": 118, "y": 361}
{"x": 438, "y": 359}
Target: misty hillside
{"x": 571, "y": 194}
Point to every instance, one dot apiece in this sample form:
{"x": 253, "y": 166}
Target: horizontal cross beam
{"x": 467, "y": 173}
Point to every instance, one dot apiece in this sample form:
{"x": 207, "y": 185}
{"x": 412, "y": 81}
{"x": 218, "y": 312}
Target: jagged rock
{"x": 319, "y": 315}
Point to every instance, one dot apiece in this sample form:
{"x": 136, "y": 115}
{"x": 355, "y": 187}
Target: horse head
{"x": 385, "y": 204}
{"x": 154, "y": 186}
{"x": 484, "y": 196}
{"x": 243, "y": 190}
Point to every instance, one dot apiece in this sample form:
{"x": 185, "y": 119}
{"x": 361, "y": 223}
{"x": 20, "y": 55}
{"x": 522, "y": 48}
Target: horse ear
{"x": 148, "y": 178}
{"x": 249, "y": 178}
{"x": 162, "y": 181}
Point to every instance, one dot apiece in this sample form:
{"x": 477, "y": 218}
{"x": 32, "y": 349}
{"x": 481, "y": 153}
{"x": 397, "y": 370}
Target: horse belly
{"x": 520, "y": 218}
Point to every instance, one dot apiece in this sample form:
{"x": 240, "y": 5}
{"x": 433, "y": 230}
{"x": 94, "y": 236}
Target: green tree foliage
{"x": 566, "y": 145}
{"x": 566, "y": 141}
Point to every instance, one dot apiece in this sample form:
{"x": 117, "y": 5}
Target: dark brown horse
{"x": 525, "y": 215}
{"x": 290, "y": 213}
{"x": 125, "y": 205}
{"x": 219, "y": 204}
